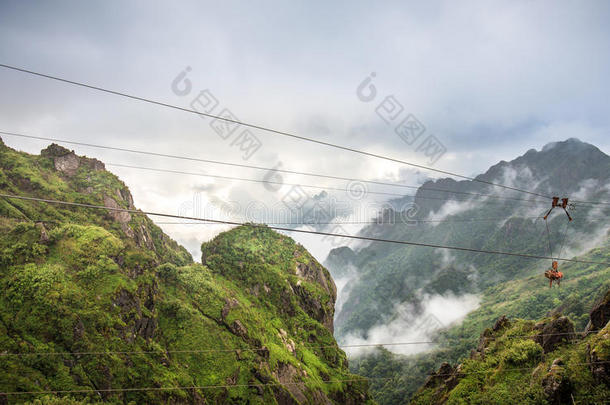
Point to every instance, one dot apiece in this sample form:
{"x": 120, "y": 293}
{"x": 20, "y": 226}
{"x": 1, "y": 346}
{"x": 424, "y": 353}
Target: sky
{"x": 488, "y": 80}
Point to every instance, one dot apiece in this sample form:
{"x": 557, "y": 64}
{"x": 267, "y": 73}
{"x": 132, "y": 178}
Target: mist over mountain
{"x": 79, "y": 280}
{"x": 390, "y": 275}
{"x": 392, "y": 293}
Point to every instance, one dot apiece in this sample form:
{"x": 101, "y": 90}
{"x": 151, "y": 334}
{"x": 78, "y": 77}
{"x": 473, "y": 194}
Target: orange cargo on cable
{"x": 553, "y": 274}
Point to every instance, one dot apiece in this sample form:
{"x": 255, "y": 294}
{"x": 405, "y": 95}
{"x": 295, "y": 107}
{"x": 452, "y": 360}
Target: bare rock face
{"x": 554, "y": 332}
{"x": 445, "y": 373}
{"x": 314, "y": 273}
{"x": 141, "y": 235}
{"x": 501, "y": 323}
{"x": 445, "y": 379}
{"x": 65, "y": 160}
{"x": 67, "y": 164}
{"x": 288, "y": 375}
{"x": 288, "y": 343}
{"x": 598, "y": 364}
{"x": 125, "y": 195}
{"x": 230, "y": 303}
{"x": 44, "y": 237}
{"x": 94, "y": 164}
{"x": 122, "y": 217}
{"x": 292, "y": 391}
{"x": 143, "y": 238}
{"x": 238, "y": 328}
{"x": 599, "y": 369}
{"x": 557, "y": 387}
{"x": 322, "y": 312}
{"x": 54, "y": 150}
{"x": 137, "y": 324}
{"x": 599, "y": 315}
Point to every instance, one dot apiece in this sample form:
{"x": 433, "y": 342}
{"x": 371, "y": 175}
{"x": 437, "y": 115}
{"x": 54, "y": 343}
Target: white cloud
{"x": 344, "y": 285}
{"x": 439, "y": 312}
{"x": 451, "y": 207}
{"x": 484, "y": 79}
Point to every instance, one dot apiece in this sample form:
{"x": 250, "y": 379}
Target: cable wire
{"x": 245, "y": 179}
{"x": 409, "y": 222}
{"x": 548, "y": 234}
{"x": 463, "y": 249}
{"x": 227, "y": 386}
{"x": 257, "y": 349}
{"x": 346, "y": 189}
{"x": 269, "y": 169}
{"x": 565, "y": 232}
{"x": 267, "y": 129}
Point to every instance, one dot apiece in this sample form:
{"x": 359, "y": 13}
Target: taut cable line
{"x": 263, "y": 128}
{"x": 267, "y": 169}
{"x": 277, "y": 228}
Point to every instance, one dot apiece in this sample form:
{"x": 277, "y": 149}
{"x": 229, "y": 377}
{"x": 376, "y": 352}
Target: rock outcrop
{"x": 122, "y": 217}
{"x": 67, "y": 162}
{"x": 549, "y": 355}
{"x": 556, "y": 385}
{"x": 132, "y": 307}
{"x": 488, "y": 335}
{"x": 598, "y": 356}
{"x": 554, "y": 332}
{"x": 447, "y": 377}
{"x": 599, "y": 315}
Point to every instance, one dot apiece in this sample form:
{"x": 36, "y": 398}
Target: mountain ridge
{"x": 538, "y": 163}
{"x": 388, "y": 279}
{"x": 132, "y": 319}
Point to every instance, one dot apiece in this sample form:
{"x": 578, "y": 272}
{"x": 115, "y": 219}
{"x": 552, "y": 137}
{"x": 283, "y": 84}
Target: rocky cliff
{"x": 102, "y": 306}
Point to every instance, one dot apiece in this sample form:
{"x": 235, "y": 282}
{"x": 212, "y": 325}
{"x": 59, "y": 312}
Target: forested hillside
{"x": 505, "y": 221}
{"x": 393, "y": 284}
{"x": 101, "y": 305}
{"x": 524, "y": 299}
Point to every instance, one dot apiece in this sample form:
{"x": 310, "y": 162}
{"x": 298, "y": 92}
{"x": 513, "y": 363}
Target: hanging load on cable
{"x": 553, "y": 274}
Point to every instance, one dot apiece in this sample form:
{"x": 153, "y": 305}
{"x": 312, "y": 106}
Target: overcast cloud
{"x": 489, "y": 79}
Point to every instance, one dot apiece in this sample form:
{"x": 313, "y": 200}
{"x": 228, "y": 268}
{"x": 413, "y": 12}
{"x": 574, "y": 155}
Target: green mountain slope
{"x": 527, "y": 362}
{"x": 389, "y": 276}
{"x": 105, "y": 305}
{"x": 523, "y": 298}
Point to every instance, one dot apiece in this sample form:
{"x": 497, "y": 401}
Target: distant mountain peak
{"x": 572, "y": 142}
{"x": 559, "y": 165}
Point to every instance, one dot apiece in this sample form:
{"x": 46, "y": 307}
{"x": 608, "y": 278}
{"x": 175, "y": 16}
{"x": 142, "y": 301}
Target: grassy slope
{"x": 90, "y": 287}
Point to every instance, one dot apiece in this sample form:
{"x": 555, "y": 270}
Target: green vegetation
{"x": 95, "y": 301}
{"x": 390, "y": 274}
{"x": 526, "y": 298}
{"x": 511, "y": 286}
{"x": 511, "y": 367}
